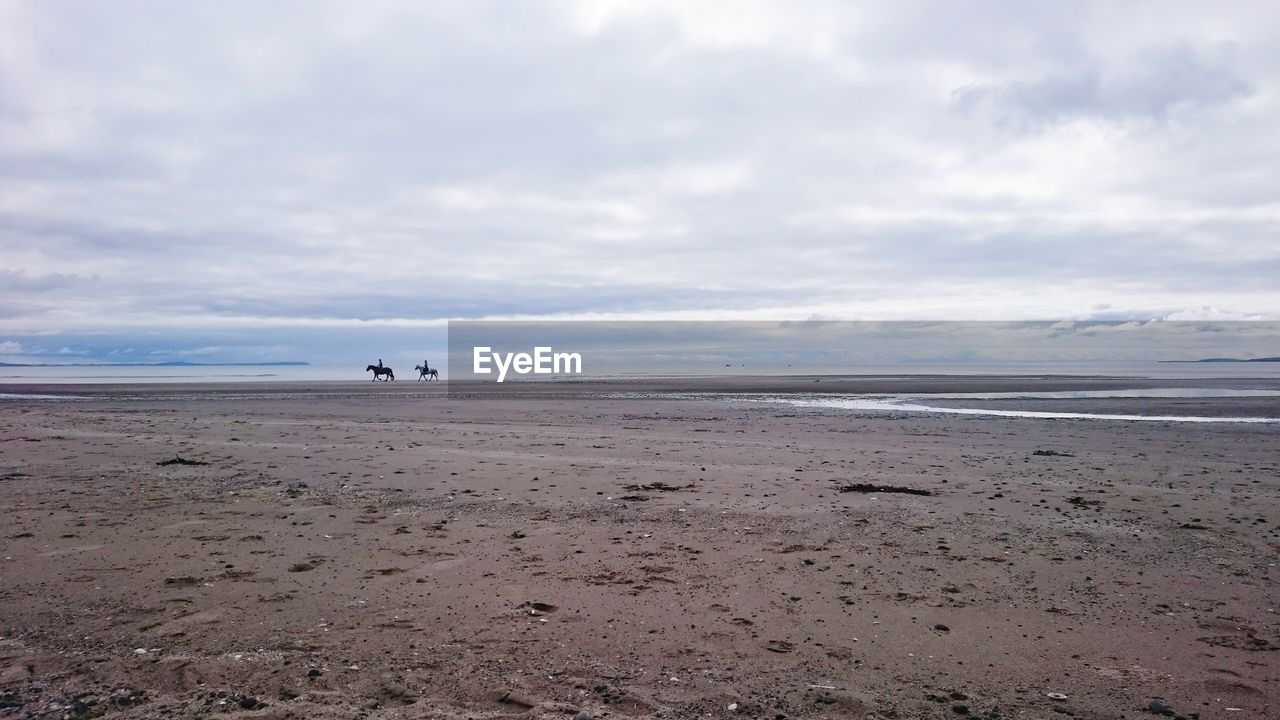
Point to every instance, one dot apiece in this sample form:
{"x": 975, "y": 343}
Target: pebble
{"x": 582, "y": 715}
{"x": 733, "y": 707}
{"x": 1055, "y": 696}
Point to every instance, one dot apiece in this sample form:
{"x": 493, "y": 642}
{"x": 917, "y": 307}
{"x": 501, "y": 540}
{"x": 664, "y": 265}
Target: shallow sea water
{"x": 920, "y": 403}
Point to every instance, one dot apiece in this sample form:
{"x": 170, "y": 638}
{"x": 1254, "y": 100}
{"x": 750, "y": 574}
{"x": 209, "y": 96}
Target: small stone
{"x": 733, "y": 707}
{"x": 582, "y": 715}
{"x": 1158, "y": 706}
{"x": 1055, "y": 696}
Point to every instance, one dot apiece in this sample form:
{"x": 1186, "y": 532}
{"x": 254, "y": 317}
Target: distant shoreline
{"x": 1226, "y": 360}
{"x": 176, "y": 363}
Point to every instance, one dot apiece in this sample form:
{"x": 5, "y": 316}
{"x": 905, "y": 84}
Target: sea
{"x": 1207, "y": 380}
{"x": 130, "y": 374}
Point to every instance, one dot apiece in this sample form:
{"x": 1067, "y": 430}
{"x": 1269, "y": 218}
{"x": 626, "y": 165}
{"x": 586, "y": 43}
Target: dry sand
{"x": 390, "y": 552}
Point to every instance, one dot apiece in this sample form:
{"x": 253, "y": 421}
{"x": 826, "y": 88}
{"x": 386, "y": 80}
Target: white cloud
{"x": 1155, "y": 85}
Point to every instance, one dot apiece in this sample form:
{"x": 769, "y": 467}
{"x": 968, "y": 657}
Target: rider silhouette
{"x": 379, "y": 362}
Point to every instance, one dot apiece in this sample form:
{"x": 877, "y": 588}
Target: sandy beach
{"x": 390, "y": 551}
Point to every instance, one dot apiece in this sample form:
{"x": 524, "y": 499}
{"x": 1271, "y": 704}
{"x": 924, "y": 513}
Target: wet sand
{"x": 386, "y": 551}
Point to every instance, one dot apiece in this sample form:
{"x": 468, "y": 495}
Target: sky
{"x": 322, "y": 181}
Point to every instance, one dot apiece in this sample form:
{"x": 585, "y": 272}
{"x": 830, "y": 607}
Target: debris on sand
{"x": 1052, "y": 453}
{"x": 658, "y": 486}
{"x": 183, "y": 581}
{"x": 513, "y": 698}
{"x": 871, "y": 488}
{"x": 246, "y": 702}
{"x": 179, "y": 460}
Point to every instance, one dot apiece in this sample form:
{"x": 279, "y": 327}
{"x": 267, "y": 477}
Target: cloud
{"x": 1153, "y": 86}
{"x": 20, "y": 281}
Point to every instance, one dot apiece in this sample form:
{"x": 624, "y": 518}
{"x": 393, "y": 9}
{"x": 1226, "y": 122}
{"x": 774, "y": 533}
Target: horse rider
{"x": 379, "y": 363}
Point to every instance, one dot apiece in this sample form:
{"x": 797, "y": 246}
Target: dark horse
{"x": 378, "y": 372}
{"x": 426, "y": 373}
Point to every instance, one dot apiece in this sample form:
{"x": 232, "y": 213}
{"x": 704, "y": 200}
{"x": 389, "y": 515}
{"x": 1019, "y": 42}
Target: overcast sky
{"x": 244, "y": 180}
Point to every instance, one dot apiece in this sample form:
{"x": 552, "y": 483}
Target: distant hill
{"x": 1226, "y": 360}
{"x": 174, "y": 363}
